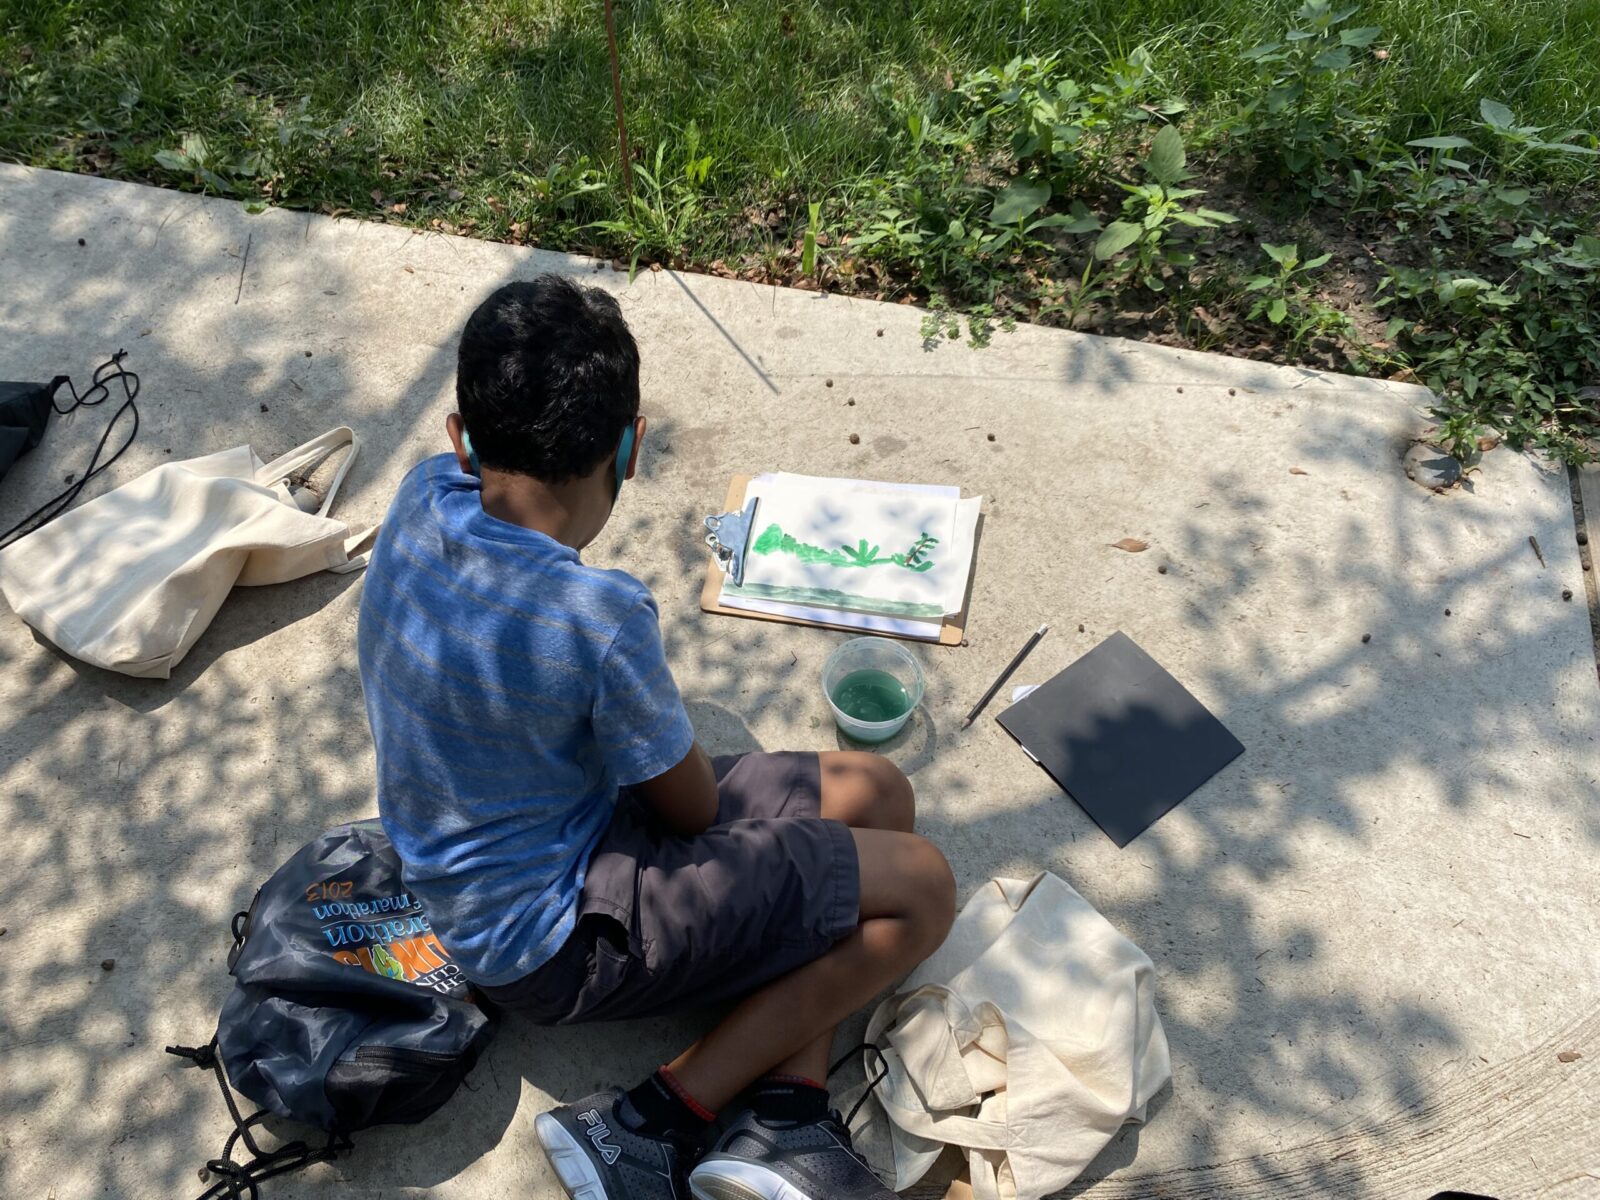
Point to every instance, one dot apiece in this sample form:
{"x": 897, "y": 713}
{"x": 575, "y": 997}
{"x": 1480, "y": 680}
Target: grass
{"x": 494, "y": 118}
{"x": 784, "y": 96}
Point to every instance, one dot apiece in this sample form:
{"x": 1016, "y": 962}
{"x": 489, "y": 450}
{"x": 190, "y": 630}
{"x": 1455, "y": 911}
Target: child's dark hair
{"x": 547, "y": 378}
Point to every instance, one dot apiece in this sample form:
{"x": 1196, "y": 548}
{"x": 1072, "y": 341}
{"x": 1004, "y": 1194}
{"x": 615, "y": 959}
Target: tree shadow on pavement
{"x": 141, "y": 814}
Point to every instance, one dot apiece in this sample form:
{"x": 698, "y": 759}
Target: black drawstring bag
{"x": 346, "y": 1011}
{"x": 25, "y": 410}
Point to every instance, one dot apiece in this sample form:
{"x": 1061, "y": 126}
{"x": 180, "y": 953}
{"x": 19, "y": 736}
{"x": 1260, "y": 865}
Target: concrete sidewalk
{"x": 1373, "y": 933}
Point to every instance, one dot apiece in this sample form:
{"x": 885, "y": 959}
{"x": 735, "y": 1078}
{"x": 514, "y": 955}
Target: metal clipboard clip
{"x": 727, "y": 535}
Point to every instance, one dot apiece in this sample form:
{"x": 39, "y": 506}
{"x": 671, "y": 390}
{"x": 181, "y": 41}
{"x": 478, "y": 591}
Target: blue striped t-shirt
{"x": 511, "y": 690}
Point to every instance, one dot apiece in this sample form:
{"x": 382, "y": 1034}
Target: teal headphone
{"x": 624, "y": 453}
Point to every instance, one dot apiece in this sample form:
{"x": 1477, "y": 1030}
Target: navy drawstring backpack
{"x": 346, "y": 1011}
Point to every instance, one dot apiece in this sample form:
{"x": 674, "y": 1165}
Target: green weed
{"x": 1302, "y": 122}
{"x": 1284, "y": 298}
{"x": 1153, "y": 213}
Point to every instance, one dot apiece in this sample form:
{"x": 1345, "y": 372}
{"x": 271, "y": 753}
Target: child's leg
{"x": 864, "y": 791}
{"x": 767, "y": 888}
{"x": 907, "y": 905}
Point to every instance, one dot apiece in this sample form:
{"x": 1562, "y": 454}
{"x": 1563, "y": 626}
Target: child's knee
{"x": 941, "y": 892}
{"x": 893, "y": 800}
{"x": 866, "y": 791}
{"x": 933, "y": 895}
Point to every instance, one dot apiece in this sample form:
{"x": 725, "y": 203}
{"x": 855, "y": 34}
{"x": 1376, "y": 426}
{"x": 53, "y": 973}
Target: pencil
{"x": 1005, "y": 675}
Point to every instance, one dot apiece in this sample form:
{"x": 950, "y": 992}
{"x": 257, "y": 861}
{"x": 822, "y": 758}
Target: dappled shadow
{"x": 1324, "y": 915}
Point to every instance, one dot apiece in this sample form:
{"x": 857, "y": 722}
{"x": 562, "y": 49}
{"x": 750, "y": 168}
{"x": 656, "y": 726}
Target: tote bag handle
{"x": 312, "y": 452}
{"x": 309, "y": 454}
{"x": 355, "y": 562}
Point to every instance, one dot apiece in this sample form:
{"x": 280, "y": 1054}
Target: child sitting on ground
{"x": 578, "y": 853}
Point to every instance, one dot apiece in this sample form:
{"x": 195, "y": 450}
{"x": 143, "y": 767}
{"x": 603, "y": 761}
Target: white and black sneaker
{"x": 598, "y": 1154}
{"x": 768, "y": 1159}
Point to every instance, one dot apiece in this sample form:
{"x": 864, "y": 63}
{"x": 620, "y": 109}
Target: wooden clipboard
{"x": 951, "y": 632}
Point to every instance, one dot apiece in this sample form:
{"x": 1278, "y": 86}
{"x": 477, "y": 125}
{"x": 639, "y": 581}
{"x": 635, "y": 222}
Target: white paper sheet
{"x": 899, "y": 551}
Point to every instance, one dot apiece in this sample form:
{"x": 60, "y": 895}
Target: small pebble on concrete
{"x": 107, "y": 964}
{"x": 991, "y": 437}
{"x": 1365, "y": 638}
{"x": 1566, "y": 593}
{"x": 81, "y": 242}
{"x": 828, "y": 383}
{"x": 1431, "y": 467}
{"x": 855, "y": 439}
{"x": 1162, "y": 569}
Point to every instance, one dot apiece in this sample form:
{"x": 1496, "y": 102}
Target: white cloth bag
{"x": 131, "y": 579}
{"x": 1027, "y": 1040}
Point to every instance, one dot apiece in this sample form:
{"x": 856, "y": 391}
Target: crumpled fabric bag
{"x": 1027, "y": 1040}
{"x": 131, "y": 579}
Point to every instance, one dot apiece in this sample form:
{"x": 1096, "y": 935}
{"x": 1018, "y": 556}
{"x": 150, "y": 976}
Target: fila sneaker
{"x": 760, "y": 1159}
{"x": 597, "y": 1154}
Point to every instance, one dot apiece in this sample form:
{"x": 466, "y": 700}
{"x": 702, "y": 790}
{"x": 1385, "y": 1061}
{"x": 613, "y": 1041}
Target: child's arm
{"x": 643, "y": 732}
{"x": 684, "y": 797}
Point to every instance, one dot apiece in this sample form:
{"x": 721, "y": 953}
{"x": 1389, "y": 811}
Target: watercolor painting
{"x": 774, "y": 540}
{"x": 865, "y": 548}
{"x": 898, "y": 554}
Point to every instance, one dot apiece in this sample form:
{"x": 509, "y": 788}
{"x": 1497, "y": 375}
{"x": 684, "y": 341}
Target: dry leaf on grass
{"x": 1298, "y": 471}
{"x": 1131, "y": 545}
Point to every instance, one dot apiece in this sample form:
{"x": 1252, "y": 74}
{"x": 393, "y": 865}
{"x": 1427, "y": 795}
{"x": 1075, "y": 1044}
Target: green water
{"x": 870, "y": 695}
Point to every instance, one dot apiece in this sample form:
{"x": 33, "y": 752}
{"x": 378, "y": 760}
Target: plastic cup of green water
{"x": 872, "y": 685}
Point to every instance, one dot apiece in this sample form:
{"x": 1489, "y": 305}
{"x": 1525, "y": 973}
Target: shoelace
{"x": 97, "y": 393}
{"x": 872, "y": 1084}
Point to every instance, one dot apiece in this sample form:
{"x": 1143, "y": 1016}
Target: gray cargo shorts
{"x": 668, "y": 922}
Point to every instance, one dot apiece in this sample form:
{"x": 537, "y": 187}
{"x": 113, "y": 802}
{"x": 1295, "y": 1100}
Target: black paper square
{"x": 1121, "y": 736}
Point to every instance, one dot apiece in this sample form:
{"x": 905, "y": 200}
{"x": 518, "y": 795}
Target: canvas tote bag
{"x": 131, "y": 579}
{"x": 1027, "y": 1040}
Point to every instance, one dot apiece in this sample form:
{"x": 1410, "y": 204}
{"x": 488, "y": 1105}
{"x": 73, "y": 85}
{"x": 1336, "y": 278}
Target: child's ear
{"x": 456, "y": 428}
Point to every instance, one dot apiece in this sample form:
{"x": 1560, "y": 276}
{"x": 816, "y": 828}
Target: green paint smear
{"x": 774, "y": 540}
{"x": 829, "y": 598}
